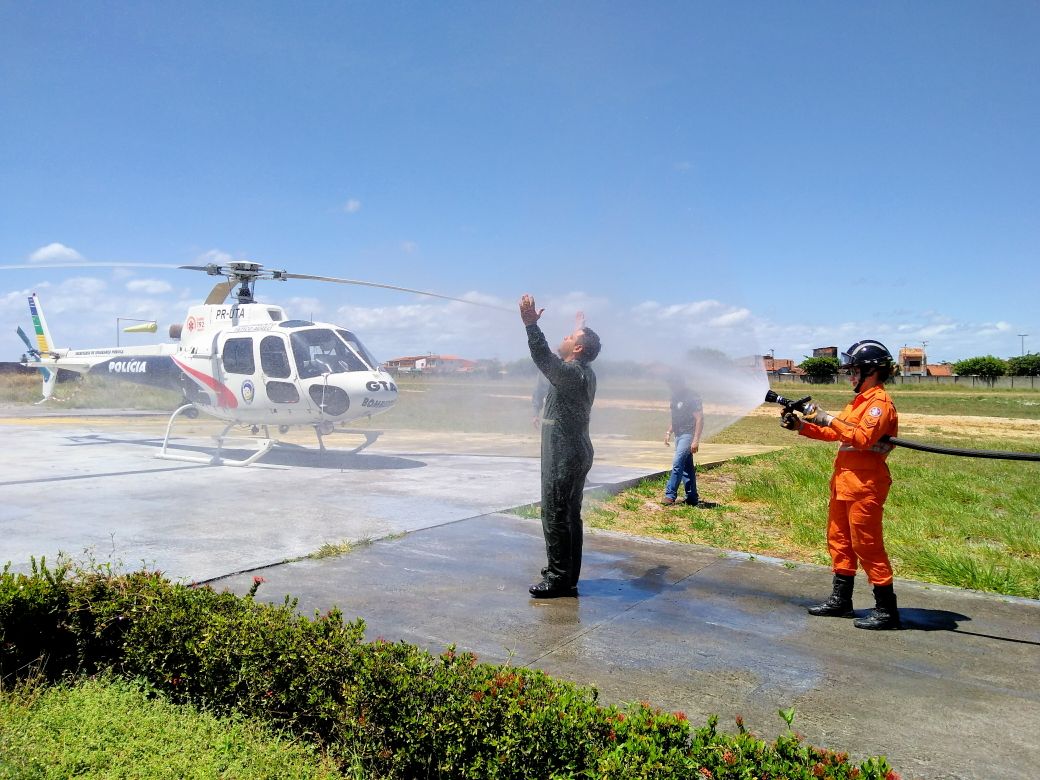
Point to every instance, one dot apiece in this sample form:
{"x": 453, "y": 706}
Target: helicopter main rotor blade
{"x": 219, "y": 293}
{"x": 337, "y": 280}
{"x": 85, "y": 265}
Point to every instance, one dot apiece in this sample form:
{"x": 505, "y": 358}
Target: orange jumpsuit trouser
{"x": 854, "y": 530}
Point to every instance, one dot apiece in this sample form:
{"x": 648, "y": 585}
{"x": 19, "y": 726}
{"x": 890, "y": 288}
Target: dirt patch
{"x": 969, "y": 427}
{"x": 952, "y": 425}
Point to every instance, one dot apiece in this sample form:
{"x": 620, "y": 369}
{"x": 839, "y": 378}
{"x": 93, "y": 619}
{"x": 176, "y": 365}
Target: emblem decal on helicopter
{"x": 247, "y": 392}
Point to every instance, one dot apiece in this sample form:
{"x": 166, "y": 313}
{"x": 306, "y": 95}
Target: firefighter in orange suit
{"x": 859, "y": 485}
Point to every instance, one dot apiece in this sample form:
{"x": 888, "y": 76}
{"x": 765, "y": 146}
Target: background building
{"x": 430, "y": 364}
{"x": 912, "y": 361}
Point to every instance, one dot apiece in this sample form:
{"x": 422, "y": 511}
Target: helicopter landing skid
{"x": 370, "y": 438}
{"x": 263, "y": 445}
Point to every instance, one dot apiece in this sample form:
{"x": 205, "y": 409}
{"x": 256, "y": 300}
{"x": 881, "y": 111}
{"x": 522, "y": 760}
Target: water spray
{"x": 805, "y": 406}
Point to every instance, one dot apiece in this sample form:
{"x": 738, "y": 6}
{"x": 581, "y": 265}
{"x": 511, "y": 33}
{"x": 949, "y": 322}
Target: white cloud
{"x": 303, "y": 308}
{"x": 730, "y": 318}
{"x": 148, "y": 286}
{"x": 448, "y": 327}
{"x": 55, "y": 253}
{"x": 217, "y": 256}
{"x": 352, "y": 206}
{"x": 409, "y": 247}
{"x": 81, "y": 289}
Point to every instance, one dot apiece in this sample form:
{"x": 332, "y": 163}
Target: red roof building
{"x": 431, "y": 364}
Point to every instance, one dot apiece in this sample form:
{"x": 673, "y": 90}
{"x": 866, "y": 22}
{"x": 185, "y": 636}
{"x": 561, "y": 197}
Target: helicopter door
{"x": 236, "y": 360}
{"x": 274, "y": 365}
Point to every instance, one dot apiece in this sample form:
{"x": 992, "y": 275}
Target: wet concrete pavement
{"x": 687, "y": 628}
{"x": 695, "y": 629}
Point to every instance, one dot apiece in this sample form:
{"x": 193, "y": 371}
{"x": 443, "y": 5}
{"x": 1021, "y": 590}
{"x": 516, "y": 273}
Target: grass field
{"x": 86, "y": 393}
{"x": 966, "y": 522}
{"x": 113, "y": 728}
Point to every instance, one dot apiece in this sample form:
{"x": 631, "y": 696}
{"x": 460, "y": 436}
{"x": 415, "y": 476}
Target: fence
{"x": 1000, "y": 382}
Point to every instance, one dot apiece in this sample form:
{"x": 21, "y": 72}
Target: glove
{"x": 790, "y": 421}
{"x": 815, "y": 414}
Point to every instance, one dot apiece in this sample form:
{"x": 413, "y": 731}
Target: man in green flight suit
{"x": 566, "y": 447}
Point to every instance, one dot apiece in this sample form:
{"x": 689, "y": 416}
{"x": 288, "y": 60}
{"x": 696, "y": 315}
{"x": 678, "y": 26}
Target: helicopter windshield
{"x": 355, "y": 344}
{"x": 319, "y": 351}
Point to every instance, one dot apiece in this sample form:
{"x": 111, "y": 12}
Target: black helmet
{"x": 868, "y": 354}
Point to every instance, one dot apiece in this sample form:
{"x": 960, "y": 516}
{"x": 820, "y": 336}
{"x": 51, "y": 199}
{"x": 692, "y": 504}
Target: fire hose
{"x": 804, "y": 405}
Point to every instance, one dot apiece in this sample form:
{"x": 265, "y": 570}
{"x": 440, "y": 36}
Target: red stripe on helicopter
{"x": 225, "y": 397}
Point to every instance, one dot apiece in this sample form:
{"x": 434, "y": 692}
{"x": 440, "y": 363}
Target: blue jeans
{"x": 683, "y": 469}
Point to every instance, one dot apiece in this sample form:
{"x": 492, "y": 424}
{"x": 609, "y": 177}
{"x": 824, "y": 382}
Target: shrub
{"x": 33, "y": 617}
{"x": 986, "y": 366}
{"x": 1025, "y": 365}
{"x": 392, "y": 708}
{"x": 820, "y": 369}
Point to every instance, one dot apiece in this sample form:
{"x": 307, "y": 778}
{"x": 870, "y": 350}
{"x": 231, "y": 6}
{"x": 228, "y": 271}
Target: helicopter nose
{"x": 380, "y": 393}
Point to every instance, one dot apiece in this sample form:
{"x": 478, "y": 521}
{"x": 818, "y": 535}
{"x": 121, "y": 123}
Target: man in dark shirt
{"x": 566, "y": 447}
{"x": 687, "y": 424}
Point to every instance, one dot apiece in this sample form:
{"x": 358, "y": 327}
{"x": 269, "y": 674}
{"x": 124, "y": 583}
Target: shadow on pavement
{"x": 281, "y": 455}
{"x": 941, "y": 620}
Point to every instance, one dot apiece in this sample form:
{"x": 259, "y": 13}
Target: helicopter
{"x": 243, "y": 362}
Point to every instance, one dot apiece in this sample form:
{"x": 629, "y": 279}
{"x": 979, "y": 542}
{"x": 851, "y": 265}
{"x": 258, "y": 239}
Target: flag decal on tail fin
{"x": 39, "y": 324}
{"x": 44, "y": 346}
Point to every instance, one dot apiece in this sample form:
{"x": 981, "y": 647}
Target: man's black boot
{"x": 550, "y": 590}
{"x": 885, "y": 615}
{"x": 840, "y": 602}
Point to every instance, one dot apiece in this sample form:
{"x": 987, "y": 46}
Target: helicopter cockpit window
{"x": 273, "y": 358}
{"x": 238, "y": 356}
{"x": 319, "y": 352}
{"x": 275, "y": 314}
{"x": 355, "y": 344}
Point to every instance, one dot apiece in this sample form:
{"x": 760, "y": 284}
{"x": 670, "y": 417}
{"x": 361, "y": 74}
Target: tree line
{"x": 984, "y": 366}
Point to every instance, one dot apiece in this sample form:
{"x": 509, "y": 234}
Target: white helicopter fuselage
{"x": 247, "y": 363}
{"x": 253, "y": 365}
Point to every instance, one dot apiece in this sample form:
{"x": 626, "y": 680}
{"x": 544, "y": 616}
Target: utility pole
{"x": 1023, "y": 337}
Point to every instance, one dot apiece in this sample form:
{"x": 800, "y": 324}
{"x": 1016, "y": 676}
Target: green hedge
{"x": 392, "y": 708}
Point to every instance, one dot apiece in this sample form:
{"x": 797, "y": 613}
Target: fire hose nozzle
{"x": 802, "y": 405}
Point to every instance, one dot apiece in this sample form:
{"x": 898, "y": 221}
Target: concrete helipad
{"x": 89, "y": 484}
{"x": 697, "y": 629}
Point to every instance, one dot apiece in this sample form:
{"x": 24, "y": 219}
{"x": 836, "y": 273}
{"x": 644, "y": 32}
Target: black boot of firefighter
{"x": 840, "y": 602}
{"x": 885, "y": 615}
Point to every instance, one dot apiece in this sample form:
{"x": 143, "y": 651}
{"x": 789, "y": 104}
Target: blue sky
{"x": 741, "y": 176}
